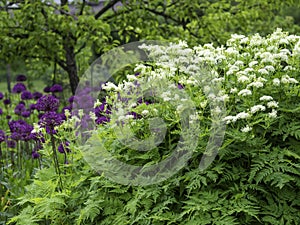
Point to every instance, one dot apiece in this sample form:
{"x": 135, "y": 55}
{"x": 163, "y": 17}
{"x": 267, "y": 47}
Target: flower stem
{"x": 55, "y": 159}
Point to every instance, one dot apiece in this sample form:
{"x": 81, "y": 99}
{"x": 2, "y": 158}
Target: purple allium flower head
{"x": 32, "y": 107}
{"x": 21, "y": 78}
{"x": 136, "y": 83}
{"x": 1, "y": 95}
{"x": 99, "y": 110}
{"x": 20, "y": 130}
{"x": 36, "y": 95}
{"x": 50, "y": 120}
{"x": 25, "y": 113}
{"x": 35, "y": 155}
{"x": 102, "y": 120}
{"x": 40, "y": 115}
{"x": 1, "y": 111}
{"x": 47, "y": 89}
{"x": 19, "y": 109}
{"x": 100, "y": 87}
{"x": 71, "y": 99}
{"x": 180, "y": 86}
{"x": 120, "y": 98}
{"x": 26, "y": 95}
{"x": 38, "y": 145}
{"x": 63, "y": 116}
{"x": 11, "y": 143}
{"x": 68, "y": 107}
{"x": 84, "y": 91}
{"x": 47, "y": 103}
{"x": 2, "y": 136}
{"x": 18, "y": 88}
{"x": 84, "y": 101}
{"x": 56, "y": 88}
{"x": 135, "y": 115}
{"x": 64, "y": 147}
{"x": 86, "y": 123}
{"x": 6, "y": 101}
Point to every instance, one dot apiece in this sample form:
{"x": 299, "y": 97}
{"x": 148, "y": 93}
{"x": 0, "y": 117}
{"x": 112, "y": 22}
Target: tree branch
{"x": 105, "y": 8}
{"x": 82, "y": 7}
{"x": 81, "y": 47}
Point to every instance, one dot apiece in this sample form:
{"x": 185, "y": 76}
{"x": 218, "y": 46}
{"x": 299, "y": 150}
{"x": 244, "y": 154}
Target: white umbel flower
{"x": 242, "y": 115}
{"x": 109, "y": 86}
{"x": 256, "y": 84}
{"x": 272, "y": 104}
{"x": 243, "y": 79}
{"x": 266, "y": 98}
{"x": 257, "y": 108}
{"x": 245, "y": 92}
{"x": 276, "y": 82}
{"x": 253, "y": 63}
{"x": 246, "y": 129}
{"x": 229, "y": 119}
{"x": 36, "y": 128}
{"x": 263, "y": 71}
{"x": 145, "y": 112}
{"x": 273, "y": 114}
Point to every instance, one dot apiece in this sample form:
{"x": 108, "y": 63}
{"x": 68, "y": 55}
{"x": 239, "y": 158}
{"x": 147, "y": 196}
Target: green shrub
{"x": 254, "y": 179}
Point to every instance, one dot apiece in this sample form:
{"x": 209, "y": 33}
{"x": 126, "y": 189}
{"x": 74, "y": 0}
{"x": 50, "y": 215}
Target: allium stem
{"x": 19, "y": 154}
{"x": 55, "y": 159}
{"x": 12, "y": 157}
{"x": 1, "y": 158}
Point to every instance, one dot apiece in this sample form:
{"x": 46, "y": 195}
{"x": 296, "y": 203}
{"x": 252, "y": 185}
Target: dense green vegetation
{"x": 60, "y": 43}
{"x": 232, "y": 137}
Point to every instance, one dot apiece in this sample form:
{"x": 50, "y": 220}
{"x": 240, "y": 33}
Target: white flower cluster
{"x": 245, "y": 70}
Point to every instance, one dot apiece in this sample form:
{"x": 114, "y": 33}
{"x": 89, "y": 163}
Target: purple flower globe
{"x": 21, "y": 78}
{"x": 26, "y": 95}
{"x": 56, "y": 88}
{"x": 35, "y": 155}
{"x": 50, "y": 120}
{"x": 84, "y": 101}
{"x": 99, "y": 110}
{"x": 37, "y": 95}
{"x": 68, "y": 107}
{"x": 47, "y": 89}
{"x": 11, "y": 143}
{"x": 32, "y": 107}
{"x": 6, "y": 101}
{"x": 25, "y": 114}
{"x": 1, "y": 96}
{"x": 102, "y": 120}
{"x": 180, "y": 86}
{"x": 47, "y": 103}
{"x": 20, "y": 130}
{"x": 18, "y": 88}
{"x": 19, "y": 109}
{"x": 64, "y": 147}
{"x": 71, "y": 99}
{"x": 2, "y": 136}
{"x": 1, "y": 111}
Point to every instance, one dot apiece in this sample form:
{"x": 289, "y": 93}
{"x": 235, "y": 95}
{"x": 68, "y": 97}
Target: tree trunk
{"x": 71, "y": 66}
{"x": 8, "y": 76}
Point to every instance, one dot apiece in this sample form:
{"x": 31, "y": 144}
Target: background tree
{"x": 70, "y": 34}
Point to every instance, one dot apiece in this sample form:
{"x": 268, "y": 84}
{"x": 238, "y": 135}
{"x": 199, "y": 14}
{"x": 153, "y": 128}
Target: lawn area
{"x": 37, "y": 85}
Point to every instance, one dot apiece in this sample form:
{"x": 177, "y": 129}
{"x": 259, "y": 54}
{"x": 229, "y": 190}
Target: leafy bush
{"x": 254, "y": 179}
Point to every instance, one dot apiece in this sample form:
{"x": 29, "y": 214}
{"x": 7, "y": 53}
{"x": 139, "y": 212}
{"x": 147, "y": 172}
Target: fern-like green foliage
{"x": 254, "y": 180}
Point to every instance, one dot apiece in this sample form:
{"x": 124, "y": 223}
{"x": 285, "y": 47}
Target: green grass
{"x": 37, "y": 85}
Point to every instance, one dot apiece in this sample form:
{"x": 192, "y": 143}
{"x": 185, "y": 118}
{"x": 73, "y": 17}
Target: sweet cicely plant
{"x": 253, "y": 89}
